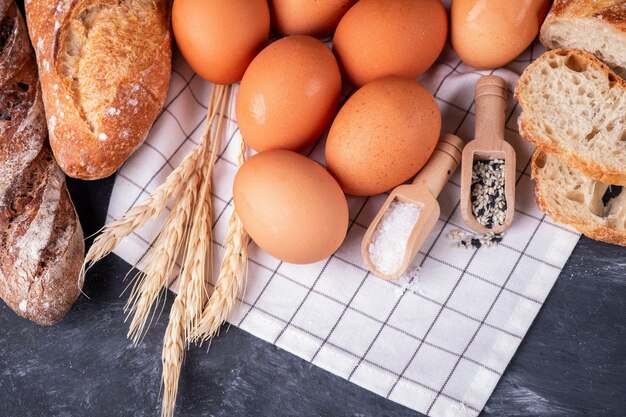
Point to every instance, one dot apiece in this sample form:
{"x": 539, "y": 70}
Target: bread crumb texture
{"x": 594, "y": 208}
{"x": 574, "y": 105}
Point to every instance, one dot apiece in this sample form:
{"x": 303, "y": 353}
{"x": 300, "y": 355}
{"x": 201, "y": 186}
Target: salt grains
{"x": 391, "y": 236}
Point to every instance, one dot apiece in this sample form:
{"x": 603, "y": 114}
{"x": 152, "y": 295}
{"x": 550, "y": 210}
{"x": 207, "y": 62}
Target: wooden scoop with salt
{"x": 409, "y": 213}
{"x": 478, "y": 206}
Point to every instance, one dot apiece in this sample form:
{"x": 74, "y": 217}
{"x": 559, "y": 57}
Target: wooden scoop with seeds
{"x": 488, "y": 164}
{"x": 422, "y": 196}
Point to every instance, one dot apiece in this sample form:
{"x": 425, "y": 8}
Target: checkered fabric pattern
{"x": 437, "y": 343}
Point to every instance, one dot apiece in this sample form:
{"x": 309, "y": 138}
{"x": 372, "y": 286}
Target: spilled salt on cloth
{"x": 392, "y": 235}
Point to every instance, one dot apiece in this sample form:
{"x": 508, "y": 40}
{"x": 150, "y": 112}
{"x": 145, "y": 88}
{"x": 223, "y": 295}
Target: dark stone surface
{"x": 571, "y": 363}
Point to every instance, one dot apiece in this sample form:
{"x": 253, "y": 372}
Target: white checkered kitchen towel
{"x": 438, "y": 344}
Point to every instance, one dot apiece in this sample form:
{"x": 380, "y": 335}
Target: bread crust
{"x": 590, "y": 229}
{"x": 580, "y": 162}
{"x": 41, "y": 239}
{"x": 612, "y": 12}
{"x": 92, "y": 146}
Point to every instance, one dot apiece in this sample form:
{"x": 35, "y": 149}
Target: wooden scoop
{"x": 423, "y": 192}
{"x": 491, "y": 92}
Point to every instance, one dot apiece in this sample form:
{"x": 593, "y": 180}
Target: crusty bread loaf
{"x": 575, "y": 106}
{"x": 570, "y": 197}
{"x": 595, "y": 26}
{"x": 41, "y": 241}
{"x": 104, "y": 67}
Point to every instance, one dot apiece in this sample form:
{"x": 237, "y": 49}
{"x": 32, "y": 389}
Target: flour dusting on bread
{"x": 39, "y": 232}
{"x": 95, "y": 56}
{"x": 41, "y": 241}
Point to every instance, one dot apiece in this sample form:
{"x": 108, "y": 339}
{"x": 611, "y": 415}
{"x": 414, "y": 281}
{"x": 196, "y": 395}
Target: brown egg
{"x": 220, "y": 38}
{"x": 317, "y": 18}
{"x": 377, "y": 38}
{"x": 489, "y": 34}
{"x": 288, "y": 95}
{"x": 290, "y": 206}
{"x": 382, "y": 136}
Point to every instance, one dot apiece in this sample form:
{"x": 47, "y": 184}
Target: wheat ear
{"x": 152, "y": 207}
{"x": 232, "y": 276}
{"x": 148, "y": 209}
{"x": 199, "y": 262}
{"x": 182, "y": 314}
{"x": 160, "y": 263}
{"x": 172, "y": 356}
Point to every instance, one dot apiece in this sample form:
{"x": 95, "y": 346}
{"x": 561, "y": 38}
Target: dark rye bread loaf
{"x": 41, "y": 241}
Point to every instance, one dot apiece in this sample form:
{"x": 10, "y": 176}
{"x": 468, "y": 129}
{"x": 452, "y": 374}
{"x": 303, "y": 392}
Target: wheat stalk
{"x": 160, "y": 262}
{"x": 161, "y": 259}
{"x": 231, "y": 280}
{"x": 200, "y": 253}
{"x": 172, "y": 356}
{"x": 188, "y": 304}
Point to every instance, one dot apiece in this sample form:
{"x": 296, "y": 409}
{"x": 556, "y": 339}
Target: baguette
{"x": 40, "y": 235}
{"x": 575, "y": 106}
{"x": 104, "y": 68}
{"x": 595, "y": 26}
{"x": 570, "y": 197}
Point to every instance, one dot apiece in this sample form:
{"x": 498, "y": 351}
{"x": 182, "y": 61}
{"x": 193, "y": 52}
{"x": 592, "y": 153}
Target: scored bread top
{"x": 598, "y": 27}
{"x": 104, "y": 67}
{"x": 575, "y": 106}
{"x": 570, "y": 197}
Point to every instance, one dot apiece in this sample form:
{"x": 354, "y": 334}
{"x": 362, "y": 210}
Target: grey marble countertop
{"x": 571, "y": 363}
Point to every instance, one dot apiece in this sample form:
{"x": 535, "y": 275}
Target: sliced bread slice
{"x": 575, "y": 106}
{"x": 597, "y": 26}
{"x": 570, "y": 197}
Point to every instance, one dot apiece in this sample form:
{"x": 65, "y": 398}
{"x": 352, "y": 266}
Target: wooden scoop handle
{"x": 491, "y": 92}
{"x": 445, "y": 159}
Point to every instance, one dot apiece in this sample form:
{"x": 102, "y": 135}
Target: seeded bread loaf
{"x": 595, "y": 26}
{"x": 575, "y": 106}
{"x": 41, "y": 241}
{"x": 570, "y": 197}
{"x": 104, "y": 67}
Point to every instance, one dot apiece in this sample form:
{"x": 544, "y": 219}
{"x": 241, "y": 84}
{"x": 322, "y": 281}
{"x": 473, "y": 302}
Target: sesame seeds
{"x": 103, "y": 136}
{"x": 468, "y": 241}
{"x": 487, "y": 192}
